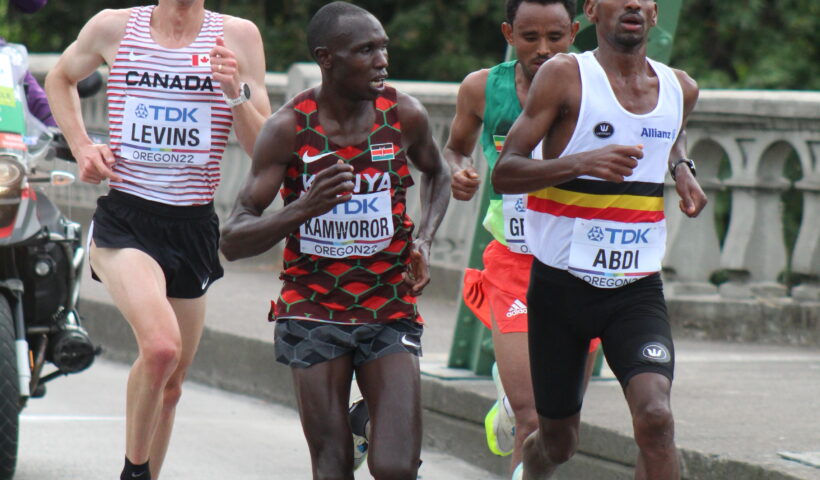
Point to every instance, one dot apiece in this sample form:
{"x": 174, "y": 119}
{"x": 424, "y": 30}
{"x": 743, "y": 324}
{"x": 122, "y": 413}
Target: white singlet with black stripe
{"x": 168, "y": 121}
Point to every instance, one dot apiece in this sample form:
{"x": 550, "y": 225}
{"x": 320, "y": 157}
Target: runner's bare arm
{"x": 423, "y": 152}
{"x": 97, "y": 42}
{"x": 243, "y": 60}
{"x": 555, "y": 88}
{"x": 246, "y": 232}
{"x": 692, "y": 197}
{"x": 464, "y": 133}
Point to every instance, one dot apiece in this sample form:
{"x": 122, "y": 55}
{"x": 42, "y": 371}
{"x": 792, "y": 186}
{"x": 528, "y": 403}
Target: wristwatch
{"x": 244, "y": 96}
{"x": 689, "y": 163}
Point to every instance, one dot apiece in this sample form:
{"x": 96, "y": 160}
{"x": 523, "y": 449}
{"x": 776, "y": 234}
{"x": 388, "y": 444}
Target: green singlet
{"x": 501, "y": 108}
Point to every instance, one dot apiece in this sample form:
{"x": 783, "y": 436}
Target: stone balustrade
{"x": 741, "y": 141}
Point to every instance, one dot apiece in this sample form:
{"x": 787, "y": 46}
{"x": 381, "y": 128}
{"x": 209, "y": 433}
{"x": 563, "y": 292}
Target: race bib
{"x": 514, "y": 210}
{"x": 609, "y": 254}
{"x": 12, "y": 117}
{"x": 166, "y": 132}
{"x": 362, "y": 226}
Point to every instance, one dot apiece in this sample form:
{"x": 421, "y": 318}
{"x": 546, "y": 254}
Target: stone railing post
{"x": 692, "y": 246}
{"x": 806, "y": 256}
{"x": 754, "y": 252}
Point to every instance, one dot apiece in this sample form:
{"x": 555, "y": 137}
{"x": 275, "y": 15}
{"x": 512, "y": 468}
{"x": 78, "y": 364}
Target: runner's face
{"x": 360, "y": 59}
{"x": 539, "y": 32}
{"x": 624, "y": 23}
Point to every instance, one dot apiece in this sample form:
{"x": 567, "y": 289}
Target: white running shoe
{"x": 358, "y": 417}
{"x": 499, "y": 424}
{"x": 518, "y": 474}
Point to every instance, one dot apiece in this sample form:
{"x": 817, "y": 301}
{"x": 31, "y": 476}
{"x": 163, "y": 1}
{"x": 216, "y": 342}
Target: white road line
{"x": 69, "y": 418}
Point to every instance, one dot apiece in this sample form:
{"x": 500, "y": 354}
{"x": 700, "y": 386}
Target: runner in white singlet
{"x": 180, "y": 78}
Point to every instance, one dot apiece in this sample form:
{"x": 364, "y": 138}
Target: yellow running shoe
{"x": 499, "y": 424}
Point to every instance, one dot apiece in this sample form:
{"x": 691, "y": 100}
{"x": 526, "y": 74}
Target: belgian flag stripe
{"x": 616, "y": 214}
{"x": 629, "y": 202}
{"x": 598, "y": 187}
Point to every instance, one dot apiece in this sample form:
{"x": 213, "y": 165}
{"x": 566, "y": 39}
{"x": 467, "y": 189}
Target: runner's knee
{"x": 161, "y": 356}
{"x": 559, "y": 453}
{"x": 171, "y": 395}
{"x": 393, "y": 469}
{"x": 333, "y": 460}
{"x": 173, "y": 389}
{"x": 559, "y": 443}
{"x": 654, "y": 425}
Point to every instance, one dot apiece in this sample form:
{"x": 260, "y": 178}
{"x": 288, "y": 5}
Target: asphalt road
{"x": 77, "y": 432}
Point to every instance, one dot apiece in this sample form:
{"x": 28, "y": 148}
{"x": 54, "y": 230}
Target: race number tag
{"x": 609, "y": 254}
{"x": 12, "y": 119}
{"x": 166, "y": 132}
{"x": 360, "y": 227}
{"x": 514, "y": 210}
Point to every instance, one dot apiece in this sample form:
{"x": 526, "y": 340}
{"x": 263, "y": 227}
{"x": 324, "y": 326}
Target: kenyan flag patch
{"x": 382, "y": 151}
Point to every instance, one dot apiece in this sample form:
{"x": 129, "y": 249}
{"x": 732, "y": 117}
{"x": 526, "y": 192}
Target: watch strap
{"x": 689, "y": 163}
{"x": 242, "y": 98}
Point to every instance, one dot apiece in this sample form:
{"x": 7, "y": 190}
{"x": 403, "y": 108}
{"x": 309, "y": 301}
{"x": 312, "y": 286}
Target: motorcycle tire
{"x": 9, "y": 393}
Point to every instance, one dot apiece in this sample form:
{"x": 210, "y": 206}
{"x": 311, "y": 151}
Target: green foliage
{"x": 771, "y": 44}
{"x": 758, "y": 44}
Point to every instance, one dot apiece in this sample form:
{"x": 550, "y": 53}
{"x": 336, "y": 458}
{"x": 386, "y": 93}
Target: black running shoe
{"x": 359, "y": 418}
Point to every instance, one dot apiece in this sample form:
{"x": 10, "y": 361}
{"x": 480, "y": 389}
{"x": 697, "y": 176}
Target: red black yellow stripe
{"x": 629, "y": 202}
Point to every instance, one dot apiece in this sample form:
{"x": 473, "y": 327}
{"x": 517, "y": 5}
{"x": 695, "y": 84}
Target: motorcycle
{"x": 41, "y": 256}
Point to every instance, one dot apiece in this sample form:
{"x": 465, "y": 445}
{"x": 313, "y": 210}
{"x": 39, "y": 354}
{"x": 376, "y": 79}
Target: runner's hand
{"x": 330, "y": 187}
{"x": 225, "y": 68}
{"x": 692, "y": 198}
{"x": 418, "y": 272}
{"x": 612, "y": 163}
{"x": 465, "y": 183}
{"x": 95, "y": 161}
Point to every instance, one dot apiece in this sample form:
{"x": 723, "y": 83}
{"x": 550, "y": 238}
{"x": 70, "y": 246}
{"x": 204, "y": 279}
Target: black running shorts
{"x": 303, "y": 343}
{"x": 565, "y": 313}
{"x": 184, "y": 241}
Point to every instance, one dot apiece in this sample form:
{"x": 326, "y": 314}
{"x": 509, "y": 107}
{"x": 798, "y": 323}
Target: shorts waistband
{"x": 189, "y": 212}
{"x": 556, "y": 275}
{"x": 565, "y": 279}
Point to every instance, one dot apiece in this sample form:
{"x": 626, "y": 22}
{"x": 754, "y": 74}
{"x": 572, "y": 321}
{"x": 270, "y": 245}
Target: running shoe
{"x": 499, "y": 424}
{"x": 358, "y": 418}
{"x": 518, "y": 474}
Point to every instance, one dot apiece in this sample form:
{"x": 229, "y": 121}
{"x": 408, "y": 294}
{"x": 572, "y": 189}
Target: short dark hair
{"x": 322, "y": 26}
{"x": 512, "y": 7}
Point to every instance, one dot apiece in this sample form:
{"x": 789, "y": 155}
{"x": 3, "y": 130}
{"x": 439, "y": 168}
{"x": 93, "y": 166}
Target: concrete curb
{"x": 781, "y": 321}
{"x": 453, "y": 409}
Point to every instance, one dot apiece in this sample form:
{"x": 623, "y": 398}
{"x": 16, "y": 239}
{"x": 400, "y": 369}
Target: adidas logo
{"x": 517, "y": 308}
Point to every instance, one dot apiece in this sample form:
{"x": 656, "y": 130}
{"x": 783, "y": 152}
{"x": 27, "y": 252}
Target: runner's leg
{"x": 137, "y": 286}
{"x": 392, "y": 389}
{"x": 190, "y": 313}
{"x": 322, "y": 395}
{"x": 513, "y": 360}
{"x": 648, "y": 396}
{"x": 552, "y": 444}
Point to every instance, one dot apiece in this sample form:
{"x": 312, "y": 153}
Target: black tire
{"x": 9, "y": 393}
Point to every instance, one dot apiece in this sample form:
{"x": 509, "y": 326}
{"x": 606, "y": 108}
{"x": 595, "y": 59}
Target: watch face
{"x": 246, "y": 90}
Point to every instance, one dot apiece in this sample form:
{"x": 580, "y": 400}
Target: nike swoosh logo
{"x": 312, "y": 158}
{"x": 137, "y": 475}
{"x": 136, "y": 58}
{"x": 409, "y": 343}
{"x": 205, "y": 283}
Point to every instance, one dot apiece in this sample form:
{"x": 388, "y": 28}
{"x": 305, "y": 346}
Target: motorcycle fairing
{"x": 26, "y": 224}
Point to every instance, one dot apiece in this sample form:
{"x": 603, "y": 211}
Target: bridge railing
{"x": 758, "y": 159}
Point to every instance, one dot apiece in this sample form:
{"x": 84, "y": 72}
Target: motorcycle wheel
{"x": 9, "y": 393}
